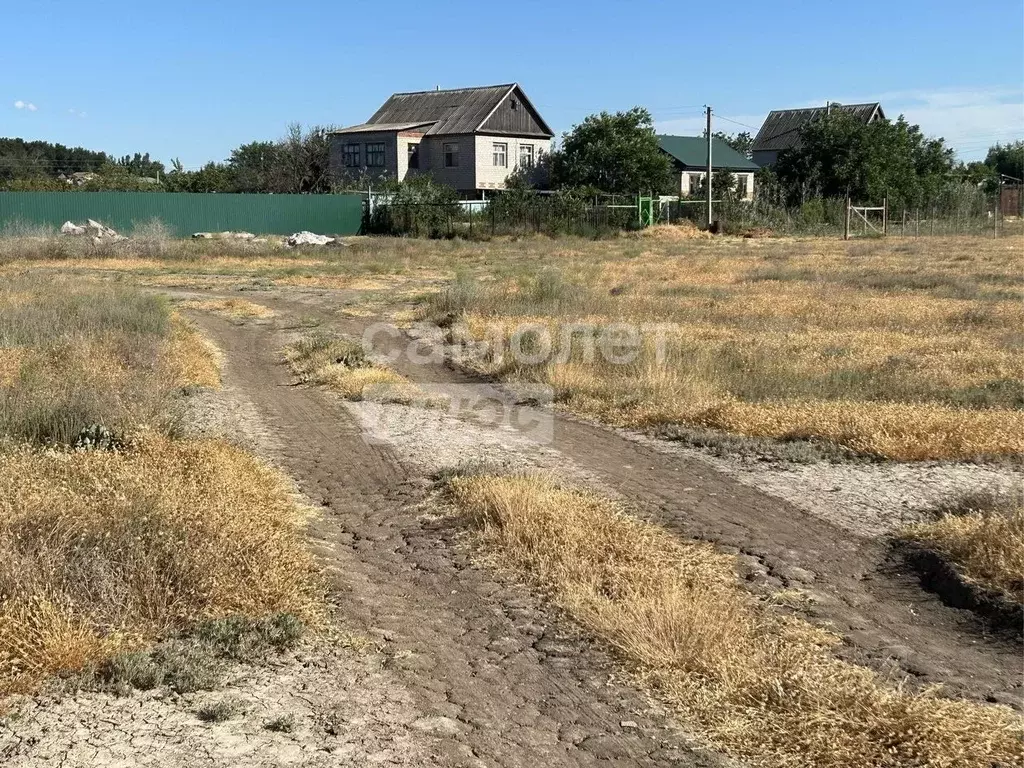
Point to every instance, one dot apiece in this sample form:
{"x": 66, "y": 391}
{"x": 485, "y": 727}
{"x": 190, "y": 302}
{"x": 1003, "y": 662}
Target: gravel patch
{"x": 869, "y": 499}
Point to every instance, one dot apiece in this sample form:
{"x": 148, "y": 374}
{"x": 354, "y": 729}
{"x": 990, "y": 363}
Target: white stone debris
{"x": 308, "y": 238}
{"x": 70, "y": 228}
{"x": 99, "y": 233}
{"x": 224, "y": 236}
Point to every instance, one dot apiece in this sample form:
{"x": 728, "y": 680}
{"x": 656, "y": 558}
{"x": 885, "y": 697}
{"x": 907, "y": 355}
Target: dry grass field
{"x": 902, "y": 349}
{"x": 759, "y": 684}
{"x": 115, "y": 530}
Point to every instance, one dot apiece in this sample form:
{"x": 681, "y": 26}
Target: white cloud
{"x": 77, "y": 112}
{"x": 969, "y": 120}
{"x": 19, "y": 104}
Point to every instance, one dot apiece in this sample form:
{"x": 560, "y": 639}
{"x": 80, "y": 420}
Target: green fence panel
{"x": 184, "y": 213}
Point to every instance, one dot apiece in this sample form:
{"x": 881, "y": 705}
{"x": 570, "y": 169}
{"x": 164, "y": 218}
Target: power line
{"x": 737, "y": 122}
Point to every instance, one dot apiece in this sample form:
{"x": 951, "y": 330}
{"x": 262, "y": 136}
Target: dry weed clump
{"x": 343, "y": 366}
{"x": 104, "y": 551}
{"x": 761, "y": 686}
{"x": 233, "y": 309}
{"x": 984, "y": 540}
{"x": 76, "y": 355}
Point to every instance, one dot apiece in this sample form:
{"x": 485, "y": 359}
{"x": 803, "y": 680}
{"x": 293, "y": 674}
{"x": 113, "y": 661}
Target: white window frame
{"x": 451, "y": 154}
{"x": 741, "y": 186}
{"x": 350, "y": 155}
{"x": 375, "y": 154}
{"x": 696, "y": 179}
{"x": 499, "y": 154}
{"x": 526, "y": 156}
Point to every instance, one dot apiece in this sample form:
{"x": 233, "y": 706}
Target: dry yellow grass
{"x": 342, "y": 365}
{"x": 759, "y": 685}
{"x": 986, "y": 545}
{"x": 234, "y": 309}
{"x": 903, "y": 349}
{"x": 192, "y": 358}
{"x": 103, "y": 551}
{"x": 134, "y": 535}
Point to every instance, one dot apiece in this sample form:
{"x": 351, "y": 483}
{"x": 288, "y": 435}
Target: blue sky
{"x": 194, "y": 79}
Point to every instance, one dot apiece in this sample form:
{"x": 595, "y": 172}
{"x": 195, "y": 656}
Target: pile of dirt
{"x": 684, "y": 230}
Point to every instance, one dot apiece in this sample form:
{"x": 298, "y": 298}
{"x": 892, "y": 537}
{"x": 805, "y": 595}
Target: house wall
{"x": 403, "y": 140}
{"x": 462, "y": 178}
{"x": 765, "y": 157}
{"x": 339, "y": 172}
{"x": 476, "y": 169}
{"x": 690, "y": 181}
{"x": 490, "y": 176}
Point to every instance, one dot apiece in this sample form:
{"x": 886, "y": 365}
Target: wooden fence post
{"x": 846, "y": 231}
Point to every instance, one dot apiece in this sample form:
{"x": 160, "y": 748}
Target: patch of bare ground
{"x": 323, "y": 705}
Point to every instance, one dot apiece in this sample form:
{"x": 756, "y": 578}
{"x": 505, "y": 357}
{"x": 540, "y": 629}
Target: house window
{"x": 375, "y": 155}
{"x": 741, "y": 186}
{"x": 526, "y": 155}
{"x": 451, "y": 155}
{"x": 414, "y": 155}
{"x": 513, "y": 104}
{"x": 695, "y": 181}
{"x": 499, "y": 155}
{"x": 350, "y": 155}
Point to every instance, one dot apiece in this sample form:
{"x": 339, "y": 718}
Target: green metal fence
{"x": 184, "y": 213}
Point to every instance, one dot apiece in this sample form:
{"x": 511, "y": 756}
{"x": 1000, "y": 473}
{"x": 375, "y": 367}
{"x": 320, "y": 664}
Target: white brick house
{"x": 468, "y": 138}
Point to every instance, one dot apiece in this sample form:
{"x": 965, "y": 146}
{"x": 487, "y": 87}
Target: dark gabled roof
{"x": 781, "y": 129}
{"x": 459, "y": 110}
{"x": 692, "y": 152}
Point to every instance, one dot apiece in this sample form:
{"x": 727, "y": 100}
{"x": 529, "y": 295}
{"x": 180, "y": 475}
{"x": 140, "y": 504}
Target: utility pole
{"x": 707, "y": 178}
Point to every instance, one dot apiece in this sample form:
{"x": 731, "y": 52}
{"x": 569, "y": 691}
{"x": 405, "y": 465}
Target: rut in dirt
{"x": 859, "y": 590}
{"x": 499, "y": 683}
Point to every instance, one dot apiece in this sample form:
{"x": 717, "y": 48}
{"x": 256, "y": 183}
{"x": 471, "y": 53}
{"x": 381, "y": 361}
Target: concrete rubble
{"x": 223, "y": 236}
{"x": 308, "y": 238}
{"x": 98, "y": 232}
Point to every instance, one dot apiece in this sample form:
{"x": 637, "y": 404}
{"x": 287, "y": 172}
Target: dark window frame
{"x": 375, "y": 154}
{"x": 350, "y": 154}
{"x": 414, "y": 155}
{"x": 451, "y": 154}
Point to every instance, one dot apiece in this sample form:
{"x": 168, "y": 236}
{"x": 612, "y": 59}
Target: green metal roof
{"x": 692, "y": 152}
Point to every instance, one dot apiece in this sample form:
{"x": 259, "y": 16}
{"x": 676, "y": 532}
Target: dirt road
{"x": 498, "y": 683}
{"x": 855, "y": 583}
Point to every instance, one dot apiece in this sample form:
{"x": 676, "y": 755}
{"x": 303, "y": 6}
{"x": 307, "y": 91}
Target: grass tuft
{"x": 342, "y": 365}
{"x": 983, "y": 535}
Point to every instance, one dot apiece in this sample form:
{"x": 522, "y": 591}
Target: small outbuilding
{"x": 689, "y": 156}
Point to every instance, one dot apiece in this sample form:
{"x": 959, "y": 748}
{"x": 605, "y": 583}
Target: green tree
{"x": 742, "y": 142}
{"x": 615, "y": 153}
{"x": 255, "y": 167}
{"x": 841, "y": 156}
{"x": 141, "y": 165}
{"x": 1007, "y": 159}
